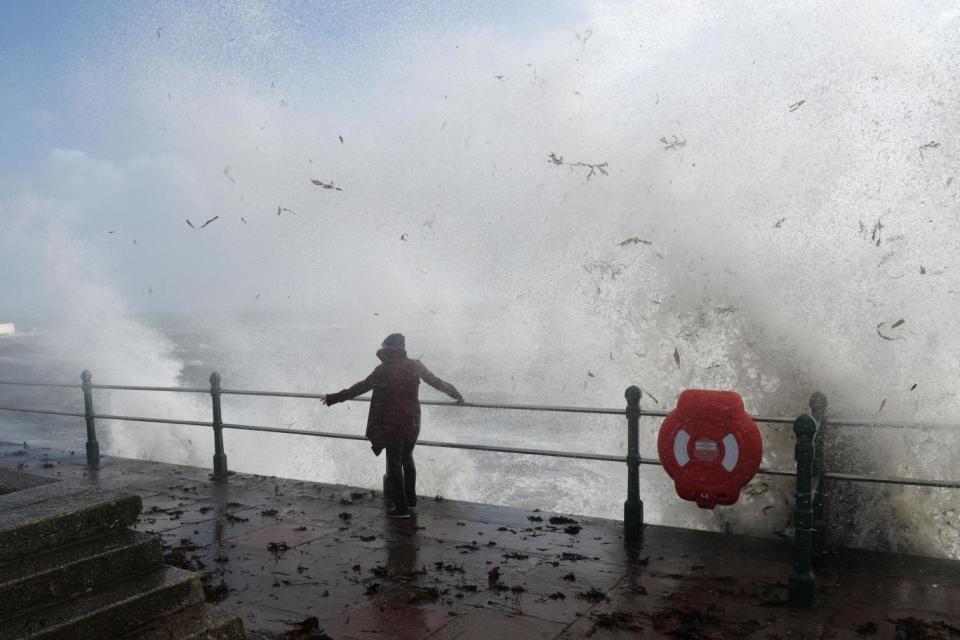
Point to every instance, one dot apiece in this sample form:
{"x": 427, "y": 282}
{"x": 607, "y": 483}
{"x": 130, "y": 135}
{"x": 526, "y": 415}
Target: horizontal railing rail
{"x": 834, "y": 422}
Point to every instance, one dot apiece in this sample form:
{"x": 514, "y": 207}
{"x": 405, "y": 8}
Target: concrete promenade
{"x": 282, "y": 552}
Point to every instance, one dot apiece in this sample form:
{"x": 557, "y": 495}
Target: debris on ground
{"x": 615, "y": 620}
{"x": 424, "y": 594}
{"x": 214, "y": 592}
{"x": 592, "y": 595}
{"x": 911, "y": 628}
{"x": 493, "y": 578}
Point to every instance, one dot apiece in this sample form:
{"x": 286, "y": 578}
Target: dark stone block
{"x": 60, "y": 513}
{"x": 110, "y": 612}
{"x": 68, "y": 571}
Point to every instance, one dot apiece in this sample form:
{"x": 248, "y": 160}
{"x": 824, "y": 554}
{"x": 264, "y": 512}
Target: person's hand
{"x": 460, "y": 400}
{"x": 326, "y": 400}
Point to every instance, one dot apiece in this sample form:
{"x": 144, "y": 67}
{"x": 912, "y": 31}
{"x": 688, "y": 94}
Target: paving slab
{"x": 288, "y": 550}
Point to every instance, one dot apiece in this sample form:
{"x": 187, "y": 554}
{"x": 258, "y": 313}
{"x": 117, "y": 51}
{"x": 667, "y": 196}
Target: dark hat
{"x": 395, "y": 340}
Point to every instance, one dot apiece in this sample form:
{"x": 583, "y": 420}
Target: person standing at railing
{"x": 394, "y": 419}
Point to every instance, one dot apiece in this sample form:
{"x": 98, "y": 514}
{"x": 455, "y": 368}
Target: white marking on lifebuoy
{"x": 680, "y": 447}
{"x": 731, "y": 452}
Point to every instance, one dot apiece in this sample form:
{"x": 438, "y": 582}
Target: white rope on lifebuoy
{"x": 680, "y": 447}
{"x": 731, "y": 450}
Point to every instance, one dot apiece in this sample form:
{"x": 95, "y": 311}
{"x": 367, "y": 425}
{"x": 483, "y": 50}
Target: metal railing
{"x": 809, "y": 516}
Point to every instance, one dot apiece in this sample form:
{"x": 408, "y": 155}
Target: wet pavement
{"x": 293, "y": 557}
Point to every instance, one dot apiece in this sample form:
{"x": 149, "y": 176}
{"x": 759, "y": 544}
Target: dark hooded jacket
{"x": 394, "y": 416}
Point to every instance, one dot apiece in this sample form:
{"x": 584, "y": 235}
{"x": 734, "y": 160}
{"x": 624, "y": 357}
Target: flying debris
{"x": 158, "y": 32}
{"x": 933, "y": 144}
{"x": 676, "y": 356}
{"x": 257, "y": 298}
{"x": 674, "y": 142}
{"x": 204, "y": 224}
{"x": 796, "y": 105}
{"x": 283, "y": 103}
{"x": 913, "y": 386}
{"x": 285, "y": 210}
{"x": 403, "y": 237}
{"x": 341, "y": 140}
{"x": 896, "y": 324}
{"x": 558, "y": 160}
{"x": 876, "y": 233}
{"x": 923, "y": 270}
{"x": 226, "y": 172}
{"x": 590, "y": 373}
{"x": 150, "y": 290}
{"x": 583, "y": 39}
{"x": 134, "y": 241}
{"x": 883, "y": 403}
{"x": 779, "y": 223}
{"x": 500, "y": 78}
{"x": 325, "y": 185}
{"x": 635, "y": 240}
{"x": 243, "y": 220}
{"x": 110, "y": 232}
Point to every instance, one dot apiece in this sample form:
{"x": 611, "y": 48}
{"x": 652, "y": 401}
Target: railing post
{"x": 93, "y": 447}
{"x": 633, "y": 507}
{"x": 800, "y": 584}
{"x": 219, "y": 457}
{"x": 818, "y": 409}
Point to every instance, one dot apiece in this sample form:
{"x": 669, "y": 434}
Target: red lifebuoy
{"x": 710, "y": 446}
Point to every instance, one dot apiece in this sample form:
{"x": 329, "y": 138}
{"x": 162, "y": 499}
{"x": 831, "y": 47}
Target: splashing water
{"x": 786, "y": 175}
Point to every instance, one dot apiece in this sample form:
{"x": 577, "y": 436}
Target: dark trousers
{"x": 402, "y": 475}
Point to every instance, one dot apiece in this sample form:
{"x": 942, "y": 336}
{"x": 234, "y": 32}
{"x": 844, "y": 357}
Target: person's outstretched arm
{"x": 438, "y": 384}
{"x": 351, "y": 392}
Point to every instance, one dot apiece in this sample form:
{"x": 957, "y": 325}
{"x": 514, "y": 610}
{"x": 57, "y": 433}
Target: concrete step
{"x": 53, "y": 515}
{"x": 75, "y": 569}
{"x": 109, "y": 612}
{"x": 199, "y": 622}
